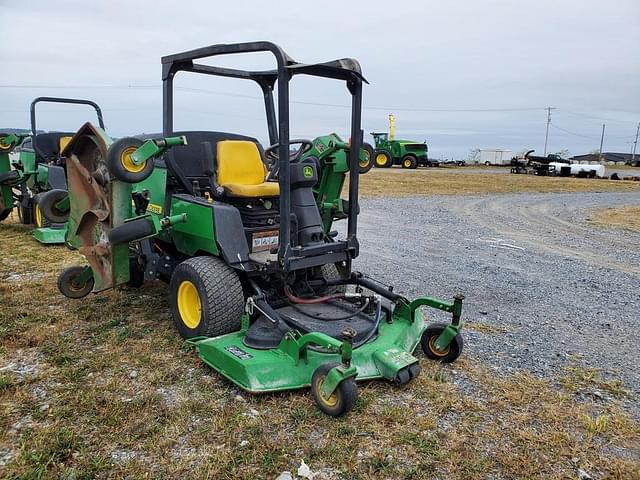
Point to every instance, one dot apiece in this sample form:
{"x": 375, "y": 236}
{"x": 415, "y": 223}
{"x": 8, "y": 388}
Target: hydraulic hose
{"x": 308, "y": 301}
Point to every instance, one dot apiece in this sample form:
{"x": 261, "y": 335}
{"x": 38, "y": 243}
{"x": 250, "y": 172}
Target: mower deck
{"x": 290, "y": 366}
{"x": 51, "y": 235}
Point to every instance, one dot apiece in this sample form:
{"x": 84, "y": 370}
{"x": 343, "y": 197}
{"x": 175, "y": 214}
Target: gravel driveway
{"x": 553, "y": 286}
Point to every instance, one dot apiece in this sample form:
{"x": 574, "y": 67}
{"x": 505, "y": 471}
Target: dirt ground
{"x": 105, "y": 388}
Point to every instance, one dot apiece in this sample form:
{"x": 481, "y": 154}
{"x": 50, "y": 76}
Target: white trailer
{"x": 496, "y": 156}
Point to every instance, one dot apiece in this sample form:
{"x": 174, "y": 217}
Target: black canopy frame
{"x": 347, "y": 70}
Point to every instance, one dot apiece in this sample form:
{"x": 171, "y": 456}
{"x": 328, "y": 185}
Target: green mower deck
{"x": 50, "y": 235}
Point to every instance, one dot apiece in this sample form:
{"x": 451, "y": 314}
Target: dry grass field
{"x": 397, "y": 182}
{"x": 105, "y": 388}
{"x": 621, "y": 217}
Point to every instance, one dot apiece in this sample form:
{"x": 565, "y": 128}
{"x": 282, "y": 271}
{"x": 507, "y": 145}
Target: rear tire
{"x": 409, "y": 161}
{"x": 47, "y": 206}
{"x": 331, "y": 272}
{"x": 205, "y": 297}
{"x": 5, "y": 213}
{"x": 25, "y": 214}
{"x": 383, "y": 159}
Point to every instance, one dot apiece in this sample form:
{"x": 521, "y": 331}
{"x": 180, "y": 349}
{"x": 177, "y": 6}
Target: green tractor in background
{"x": 39, "y": 171}
{"x": 260, "y": 284}
{"x": 408, "y": 153}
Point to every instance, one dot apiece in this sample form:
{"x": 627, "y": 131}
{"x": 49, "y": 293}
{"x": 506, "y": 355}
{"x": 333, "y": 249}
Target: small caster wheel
{"x": 69, "y": 287}
{"x": 341, "y": 400}
{"x": 428, "y": 343}
{"x": 402, "y": 377}
{"x": 415, "y": 370}
{"x": 121, "y": 164}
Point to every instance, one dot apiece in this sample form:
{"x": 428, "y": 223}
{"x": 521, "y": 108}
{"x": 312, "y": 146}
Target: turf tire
{"x": 220, "y": 293}
{"x": 427, "y": 342}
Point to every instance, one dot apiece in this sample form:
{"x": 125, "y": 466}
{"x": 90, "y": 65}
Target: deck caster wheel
{"x": 341, "y": 400}
{"x": 407, "y": 374}
{"x": 402, "y": 377}
{"x": 428, "y": 343}
{"x": 68, "y": 285}
{"x": 121, "y": 164}
{"x": 415, "y": 370}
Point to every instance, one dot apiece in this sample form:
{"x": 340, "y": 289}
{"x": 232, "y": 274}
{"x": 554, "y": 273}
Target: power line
{"x": 573, "y": 133}
{"x": 299, "y": 102}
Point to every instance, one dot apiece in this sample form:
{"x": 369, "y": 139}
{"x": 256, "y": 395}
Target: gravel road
{"x": 530, "y": 266}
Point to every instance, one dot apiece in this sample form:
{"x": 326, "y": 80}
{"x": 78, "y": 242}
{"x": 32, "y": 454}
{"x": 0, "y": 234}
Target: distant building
{"x": 613, "y": 157}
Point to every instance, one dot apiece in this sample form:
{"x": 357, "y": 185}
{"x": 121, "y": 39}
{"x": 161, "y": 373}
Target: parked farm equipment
{"x": 38, "y": 174}
{"x": 537, "y": 164}
{"x": 257, "y": 276}
{"x": 408, "y": 153}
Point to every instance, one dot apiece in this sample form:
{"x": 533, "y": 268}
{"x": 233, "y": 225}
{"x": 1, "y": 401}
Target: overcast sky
{"x": 459, "y": 74}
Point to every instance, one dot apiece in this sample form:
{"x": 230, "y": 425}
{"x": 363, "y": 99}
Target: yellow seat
{"x": 241, "y": 172}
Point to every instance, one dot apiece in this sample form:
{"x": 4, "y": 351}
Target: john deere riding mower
{"x": 36, "y": 180}
{"x": 259, "y": 282}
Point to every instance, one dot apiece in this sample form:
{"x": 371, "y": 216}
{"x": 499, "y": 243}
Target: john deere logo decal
{"x": 307, "y": 172}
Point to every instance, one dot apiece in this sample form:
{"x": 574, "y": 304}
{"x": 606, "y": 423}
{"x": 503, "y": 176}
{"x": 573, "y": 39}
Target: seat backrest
{"x": 239, "y": 162}
{"x": 188, "y": 158}
{"x": 48, "y": 145}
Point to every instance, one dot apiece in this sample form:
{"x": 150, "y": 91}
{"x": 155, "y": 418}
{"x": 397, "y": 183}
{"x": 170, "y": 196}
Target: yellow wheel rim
{"x": 364, "y": 163}
{"x": 127, "y": 161}
{"x": 432, "y": 347}
{"x": 4, "y": 146}
{"x": 381, "y": 159}
{"x": 189, "y": 305}
{"x": 38, "y": 214}
{"x": 332, "y": 401}
{"x": 407, "y": 163}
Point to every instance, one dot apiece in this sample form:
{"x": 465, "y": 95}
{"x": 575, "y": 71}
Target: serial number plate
{"x": 261, "y": 241}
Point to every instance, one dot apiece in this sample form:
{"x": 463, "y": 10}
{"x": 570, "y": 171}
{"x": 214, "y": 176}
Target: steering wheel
{"x": 273, "y": 160}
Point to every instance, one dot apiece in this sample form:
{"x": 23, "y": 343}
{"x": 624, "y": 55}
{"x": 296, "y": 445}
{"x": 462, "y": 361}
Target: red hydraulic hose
{"x": 307, "y": 301}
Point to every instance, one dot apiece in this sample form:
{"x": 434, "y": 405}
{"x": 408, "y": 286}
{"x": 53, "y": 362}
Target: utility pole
{"x": 546, "y": 135}
{"x": 635, "y": 144}
{"x": 601, "y": 142}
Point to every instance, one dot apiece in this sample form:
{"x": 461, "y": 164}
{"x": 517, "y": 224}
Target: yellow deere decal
{"x": 153, "y": 208}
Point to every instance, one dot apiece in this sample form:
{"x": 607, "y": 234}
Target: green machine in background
{"x": 260, "y": 284}
{"x": 38, "y": 172}
{"x": 408, "y": 153}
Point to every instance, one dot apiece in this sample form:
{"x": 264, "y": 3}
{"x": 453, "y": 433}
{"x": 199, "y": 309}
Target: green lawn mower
{"x": 259, "y": 282}
{"x": 36, "y": 179}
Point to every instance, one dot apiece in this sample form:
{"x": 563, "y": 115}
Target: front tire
{"x": 383, "y": 159}
{"x": 206, "y": 298}
{"x": 39, "y": 219}
{"x": 341, "y": 401}
{"x": 366, "y": 158}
